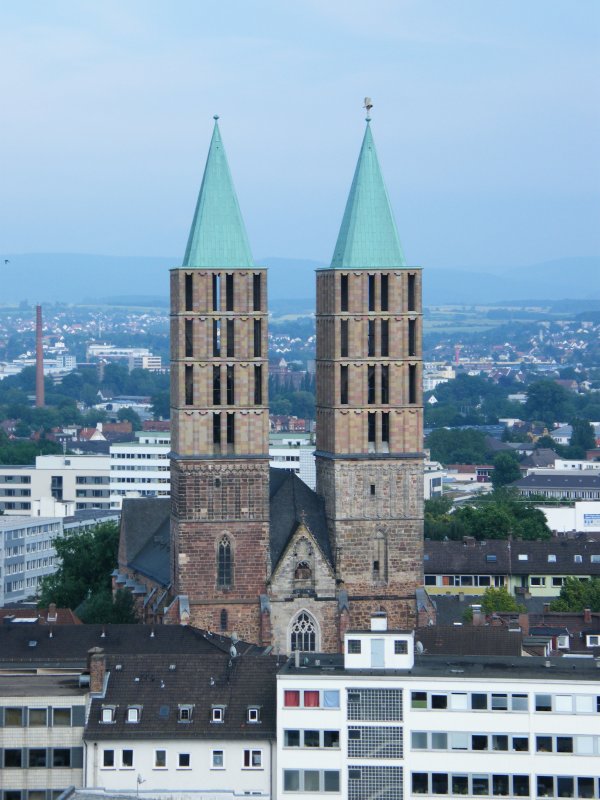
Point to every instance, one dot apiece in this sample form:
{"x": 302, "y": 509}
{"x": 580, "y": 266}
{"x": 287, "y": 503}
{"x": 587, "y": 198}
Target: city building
{"x": 149, "y": 362}
{"x": 295, "y": 452}
{"x": 27, "y": 552}
{"x": 140, "y": 468}
{"x": 177, "y": 723}
{"x": 580, "y": 517}
{"x": 537, "y": 568}
{"x": 82, "y": 480}
{"x": 387, "y": 720}
{"x": 566, "y": 485}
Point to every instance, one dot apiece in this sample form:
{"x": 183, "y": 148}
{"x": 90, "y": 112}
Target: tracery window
{"x": 224, "y": 563}
{"x": 303, "y": 571}
{"x": 304, "y": 633}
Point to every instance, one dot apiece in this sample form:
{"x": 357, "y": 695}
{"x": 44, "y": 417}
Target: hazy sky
{"x": 486, "y": 118}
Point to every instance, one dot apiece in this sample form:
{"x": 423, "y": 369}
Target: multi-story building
{"x": 385, "y": 720}
{"x": 294, "y": 452}
{"x": 83, "y": 480}
{"x": 564, "y": 485}
{"x": 140, "y": 468}
{"x": 538, "y": 568}
{"x": 149, "y": 362}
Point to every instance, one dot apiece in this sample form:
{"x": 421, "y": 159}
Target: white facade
{"x": 109, "y": 351}
{"x": 26, "y": 555}
{"x": 441, "y": 727}
{"x": 149, "y": 362}
{"x": 583, "y": 517}
{"x": 224, "y": 767}
{"x": 140, "y": 468}
{"x": 83, "y": 480}
{"x": 434, "y": 475}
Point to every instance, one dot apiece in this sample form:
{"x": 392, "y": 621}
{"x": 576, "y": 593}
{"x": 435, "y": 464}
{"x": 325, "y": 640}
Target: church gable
{"x": 302, "y": 570}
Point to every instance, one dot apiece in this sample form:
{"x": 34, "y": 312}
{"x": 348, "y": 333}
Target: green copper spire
{"x": 368, "y": 236}
{"x": 217, "y": 236}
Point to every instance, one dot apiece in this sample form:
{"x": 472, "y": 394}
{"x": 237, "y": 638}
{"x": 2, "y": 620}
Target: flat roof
{"x": 39, "y": 685}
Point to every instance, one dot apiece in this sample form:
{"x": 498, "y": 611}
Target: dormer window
{"x": 253, "y": 714}
{"x": 134, "y": 713}
{"x": 578, "y": 559}
{"x": 218, "y": 714}
{"x": 185, "y": 713}
{"x": 107, "y": 714}
{"x": 552, "y": 558}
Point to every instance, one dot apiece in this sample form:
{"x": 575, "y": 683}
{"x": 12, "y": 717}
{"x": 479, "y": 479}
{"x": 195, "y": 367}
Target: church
{"x": 240, "y": 548}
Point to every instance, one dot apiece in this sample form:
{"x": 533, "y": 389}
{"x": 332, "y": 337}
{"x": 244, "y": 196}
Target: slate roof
{"x": 144, "y": 540}
{"x": 69, "y": 644}
{"x": 469, "y": 640}
{"x": 558, "y": 480}
{"x": 159, "y": 684}
{"x": 292, "y": 502}
{"x": 453, "y": 557}
{"x": 541, "y": 457}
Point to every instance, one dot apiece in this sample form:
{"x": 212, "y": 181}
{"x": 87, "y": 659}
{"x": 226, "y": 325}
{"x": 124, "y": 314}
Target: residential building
{"x": 387, "y": 720}
{"x": 140, "y": 468}
{"x": 434, "y": 475}
{"x": 146, "y": 361}
{"x": 538, "y": 568}
{"x": 293, "y": 452}
{"x": 171, "y": 722}
{"x": 560, "y": 485}
{"x": 83, "y": 480}
{"x": 580, "y": 517}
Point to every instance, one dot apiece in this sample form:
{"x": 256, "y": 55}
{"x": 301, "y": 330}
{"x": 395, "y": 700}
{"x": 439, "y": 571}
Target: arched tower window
{"x": 303, "y": 633}
{"x": 224, "y": 563}
{"x": 303, "y": 571}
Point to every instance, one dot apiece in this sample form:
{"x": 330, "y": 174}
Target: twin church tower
{"x": 255, "y": 551}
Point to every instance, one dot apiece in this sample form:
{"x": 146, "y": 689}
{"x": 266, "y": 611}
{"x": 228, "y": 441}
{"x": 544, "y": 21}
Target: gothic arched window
{"x": 303, "y": 571}
{"x": 303, "y": 633}
{"x": 224, "y": 563}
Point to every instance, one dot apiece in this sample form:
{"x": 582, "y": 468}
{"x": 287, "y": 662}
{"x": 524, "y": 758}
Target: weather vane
{"x": 368, "y": 105}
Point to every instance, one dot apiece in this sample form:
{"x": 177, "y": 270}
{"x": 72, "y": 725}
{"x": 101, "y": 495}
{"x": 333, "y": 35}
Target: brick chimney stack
{"x": 39, "y": 360}
{"x": 587, "y": 615}
{"x": 97, "y": 668}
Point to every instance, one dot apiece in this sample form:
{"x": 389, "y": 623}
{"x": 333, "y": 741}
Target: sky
{"x": 486, "y": 119}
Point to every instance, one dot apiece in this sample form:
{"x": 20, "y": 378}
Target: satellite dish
{"x": 232, "y": 651}
{"x": 419, "y": 649}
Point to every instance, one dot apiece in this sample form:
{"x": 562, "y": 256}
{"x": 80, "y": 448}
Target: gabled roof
{"x": 368, "y": 236}
{"x": 145, "y": 536}
{"x": 160, "y": 684}
{"x": 217, "y": 236}
{"x": 293, "y": 503}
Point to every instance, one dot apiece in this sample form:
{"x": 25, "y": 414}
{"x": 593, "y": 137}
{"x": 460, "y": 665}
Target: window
{"x": 385, "y": 337}
{"x": 311, "y": 780}
{"x": 13, "y": 757}
{"x": 189, "y": 385}
{"x": 13, "y": 717}
{"x": 344, "y": 384}
{"x": 592, "y": 640}
{"x": 419, "y": 700}
{"x": 189, "y": 338}
{"x": 523, "y": 557}
{"x": 400, "y": 647}
{"x": 253, "y": 714}
{"x": 257, "y": 338}
{"x": 412, "y": 338}
{"x": 61, "y": 717}
{"x": 331, "y": 739}
{"x": 490, "y": 558}
{"x": 230, "y": 375}
{"x": 256, "y": 291}
{"x": 258, "y": 385}
{"x": 499, "y": 702}
{"x": 370, "y": 384}
{"x": 384, "y": 293}
{"x": 160, "y": 759}
{"x": 419, "y": 740}
{"x": 183, "y": 761}
{"x": 344, "y": 338}
{"x": 411, "y": 292}
{"x": 216, "y": 338}
{"x": 252, "y": 759}
{"x": 224, "y": 563}
{"x": 189, "y": 295}
{"x": 304, "y": 633}
{"x": 371, "y": 338}
{"x": 223, "y": 621}
{"x": 311, "y": 698}
{"x": 218, "y": 759}
{"x": 543, "y": 702}
{"x": 343, "y": 293}
{"x": 229, "y": 292}
{"x": 108, "y": 759}
{"x": 385, "y": 384}
{"x": 218, "y": 714}
{"x": 216, "y": 429}
{"x": 38, "y": 717}
{"x": 551, "y": 558}
{"x": 291, "y": 738}
{"x": 371, "y": 292}
{"x": 537, "y": 580}
{"x": 231, "y": 429}
{"x": 185, "y": 713}
{"x": 420, "y": 783}
{"x": 291, "y": 698}
{"x": 127, "y": 759}
{"x": 61, "y": 757}
{"x": 371, "y": 429}
{"x": 354, "y": 646}
{"x": 577, "y": 559}
{"x": 412, "y": 383}
{"x": 133, "y": 714}
{"x": 230, "y": 338}
{"x": 216, "y": 291}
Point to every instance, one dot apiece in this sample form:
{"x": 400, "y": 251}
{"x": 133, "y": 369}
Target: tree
{"x": 506, "y": 469}
{"x": 548, "y": 401}
{"x": 161, "y": 405}
{"x": 575, "y": 595}
{"x": 85, "y": 561}
{"x": 582, "y": 435}
{"x": 129, "y": 415}
{"x": 499, "y": 600}
{"x": 102, "y": 607}
{"x": 457, "y": 446}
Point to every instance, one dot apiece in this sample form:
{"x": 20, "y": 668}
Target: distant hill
{"x": 71, "y": 278}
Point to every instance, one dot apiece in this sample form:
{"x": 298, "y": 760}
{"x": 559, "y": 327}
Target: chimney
{"x": 546, "y": 608}
{"x": 51, "y": 612}
{"x": 96, "y": 668}
{"x": 379, "y": 621}
{"x": 524, "y": 624}
{"x": 478, "y": 617}
{"x": 39, "y": 360}
{"x": 587, "y": 615}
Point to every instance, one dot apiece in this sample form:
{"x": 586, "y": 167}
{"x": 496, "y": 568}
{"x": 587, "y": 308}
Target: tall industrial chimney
{"x": 39, "y": 359}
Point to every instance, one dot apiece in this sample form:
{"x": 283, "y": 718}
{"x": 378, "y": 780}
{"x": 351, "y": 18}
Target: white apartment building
{"x": 294, "y": 452}
{"x": 82, "y": 480}
{"x": 149, "y": 362}
{"x": 109, "y": 352}
{"x": 434, "y": 474}
{"x": 434, "y": 374}
{"x": 27, "y": 552}
{"x": 382, "y": 722}
{"x": 140, "y": 468}
{"x": 583, "y": 517}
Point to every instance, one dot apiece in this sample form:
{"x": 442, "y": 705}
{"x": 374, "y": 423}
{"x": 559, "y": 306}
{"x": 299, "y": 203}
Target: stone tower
{"x": 219, "y": 416}
{"x": 369, "y": 405}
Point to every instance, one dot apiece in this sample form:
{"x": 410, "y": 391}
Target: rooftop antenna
{"x": 368, "y": 106}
